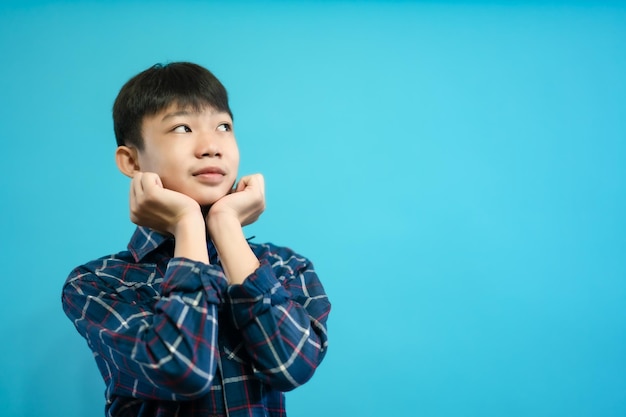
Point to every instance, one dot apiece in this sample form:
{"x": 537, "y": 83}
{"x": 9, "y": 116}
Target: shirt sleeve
{"x": 166, "y": 350}
{"x": 281, "y": 311}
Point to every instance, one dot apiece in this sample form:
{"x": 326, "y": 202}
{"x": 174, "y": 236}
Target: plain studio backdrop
{"x": 455, "y": 170}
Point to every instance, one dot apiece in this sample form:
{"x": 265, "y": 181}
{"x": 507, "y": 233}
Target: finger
{"x": 256, "y": 182}
{"x": 136, "y": 195}
{"x": 261, "y": 181}
{"x": 150, "y": 182}
{"x": 135, "y": 186}
{"x": 158, "y": 181}
{"x": 242, "y": 184}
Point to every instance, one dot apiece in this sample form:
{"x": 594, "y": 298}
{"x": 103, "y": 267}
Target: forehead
{"x": 177, "y": 110}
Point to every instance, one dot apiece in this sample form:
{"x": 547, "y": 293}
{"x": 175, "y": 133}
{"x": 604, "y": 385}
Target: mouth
{"x": 211, "y": 176}
{"x": 209, "y": 171}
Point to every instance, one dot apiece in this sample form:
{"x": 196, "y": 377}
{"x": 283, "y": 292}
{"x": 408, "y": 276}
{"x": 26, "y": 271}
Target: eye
{"x": 224, "y": 127}
{"x": 182, "y": 129}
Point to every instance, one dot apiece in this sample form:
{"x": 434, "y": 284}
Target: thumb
{"x": 241, "y": 185}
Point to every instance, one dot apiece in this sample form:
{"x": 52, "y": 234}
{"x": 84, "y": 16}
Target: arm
{"x": 167, "y": 348}
{"x": 169, "y": 212}
{"x": 281, "y": 311}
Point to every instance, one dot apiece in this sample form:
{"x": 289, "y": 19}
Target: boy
{"x": 193, "y": 320}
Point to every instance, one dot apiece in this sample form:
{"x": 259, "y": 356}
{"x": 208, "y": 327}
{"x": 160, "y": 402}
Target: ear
{"x": 127, "y": 161}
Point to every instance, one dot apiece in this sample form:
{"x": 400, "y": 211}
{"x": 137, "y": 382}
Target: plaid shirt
{"x": 152, "y": 323}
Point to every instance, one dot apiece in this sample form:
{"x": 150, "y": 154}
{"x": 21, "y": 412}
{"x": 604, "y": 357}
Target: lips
{"x": 211, "y": 176}
{"x": 209, "y": 171}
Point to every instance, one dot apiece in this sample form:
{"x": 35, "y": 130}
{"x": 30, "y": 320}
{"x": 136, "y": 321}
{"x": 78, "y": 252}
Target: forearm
{"x": 281, "y": 312}
{"x": 286, "y": 346}
{"x": 168, "y": 347}
{"x": 235, "y": 254}
{"x": 190, "y": 239}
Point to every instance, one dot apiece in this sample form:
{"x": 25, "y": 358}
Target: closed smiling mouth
{"x": 208, "y": 171}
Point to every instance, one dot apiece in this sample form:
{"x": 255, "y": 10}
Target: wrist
{"x": 222, "y": 222}
{"x": 190, "y": 239}
{"x": 237, "y": 258}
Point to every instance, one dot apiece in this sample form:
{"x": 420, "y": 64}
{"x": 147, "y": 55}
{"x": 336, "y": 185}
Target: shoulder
{"x": 282, "y": 259}
{"x": 115, "y": 266}
{"x": 277, "y": 254}
{"x": 116, "y": 277}
{"x": 293, "y": 270}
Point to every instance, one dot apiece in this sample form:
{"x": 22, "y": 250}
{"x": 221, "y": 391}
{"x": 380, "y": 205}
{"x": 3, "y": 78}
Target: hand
{"x": 153, "y": 206}
{"x": 246, "y": 202}
{"x": 225, "y": 219}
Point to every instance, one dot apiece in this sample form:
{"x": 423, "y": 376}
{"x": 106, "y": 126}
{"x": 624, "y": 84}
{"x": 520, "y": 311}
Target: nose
{"x": 208, "y": 146}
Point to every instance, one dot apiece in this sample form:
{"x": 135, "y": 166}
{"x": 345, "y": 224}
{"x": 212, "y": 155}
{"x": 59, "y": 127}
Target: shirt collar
{"x": 144, "y": 241}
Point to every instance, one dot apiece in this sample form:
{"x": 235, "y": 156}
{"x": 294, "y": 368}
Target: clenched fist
{"x": 245, "y": 203}
{"x": 156, "y": 207}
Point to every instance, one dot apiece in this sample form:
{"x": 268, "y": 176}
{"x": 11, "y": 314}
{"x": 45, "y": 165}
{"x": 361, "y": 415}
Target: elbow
{"x": 186, "y": 379}
{"x": 188, "y": 387}
{"x": 291, "y": 379}
{"x": 298, "y": 372}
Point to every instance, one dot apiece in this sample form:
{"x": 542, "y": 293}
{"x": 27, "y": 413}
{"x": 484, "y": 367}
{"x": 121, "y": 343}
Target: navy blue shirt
{"x": 171, "y": 337}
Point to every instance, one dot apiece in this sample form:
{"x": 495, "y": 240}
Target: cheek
{"x": 148, "y": 160}
{"x": 235, "y": 157}
{"x": 165, "y": 169}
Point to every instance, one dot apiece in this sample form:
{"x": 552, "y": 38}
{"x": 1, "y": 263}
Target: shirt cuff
{"x": 257, "y": 294}
{"x": 187, "y": 276}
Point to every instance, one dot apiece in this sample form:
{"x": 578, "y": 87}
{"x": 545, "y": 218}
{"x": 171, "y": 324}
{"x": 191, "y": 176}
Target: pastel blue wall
{"x": 457, "y": 171}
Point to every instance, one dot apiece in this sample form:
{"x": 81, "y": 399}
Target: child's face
{"x": 194, "y": 153}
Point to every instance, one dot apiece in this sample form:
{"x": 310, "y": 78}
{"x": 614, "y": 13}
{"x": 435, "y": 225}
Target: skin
{"x": 182, "y": 184}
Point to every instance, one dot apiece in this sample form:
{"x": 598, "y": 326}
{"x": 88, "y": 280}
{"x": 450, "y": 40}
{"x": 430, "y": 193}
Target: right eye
{"x": 182, "y": 129}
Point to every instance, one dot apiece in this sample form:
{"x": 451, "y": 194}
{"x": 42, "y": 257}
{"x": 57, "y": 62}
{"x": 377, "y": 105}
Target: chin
{"x": 206, "y": 202}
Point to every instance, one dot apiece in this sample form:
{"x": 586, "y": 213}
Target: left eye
{"x": 224, "y": 127}
{"x": 182, "y": 129}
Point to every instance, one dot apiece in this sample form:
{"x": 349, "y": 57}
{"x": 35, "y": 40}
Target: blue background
{"x": 456, "y": 170}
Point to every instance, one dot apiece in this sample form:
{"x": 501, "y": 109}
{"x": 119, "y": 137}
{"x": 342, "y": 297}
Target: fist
{"x": 246, "y": 202}
{"x": 156, "y": 207}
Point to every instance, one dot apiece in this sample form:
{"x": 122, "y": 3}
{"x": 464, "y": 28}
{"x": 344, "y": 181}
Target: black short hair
{"x": 184, "y": 84}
